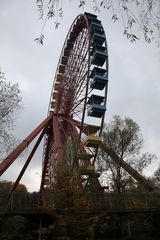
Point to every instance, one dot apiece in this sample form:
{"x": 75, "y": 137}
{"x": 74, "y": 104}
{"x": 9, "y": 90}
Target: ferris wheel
{"x": 78, "y": 98}
{"x": 72, "y": 131}
{"x": 73, "y": 127}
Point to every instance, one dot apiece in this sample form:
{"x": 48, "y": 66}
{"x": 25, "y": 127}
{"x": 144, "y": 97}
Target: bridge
{"x": 113, "y": 203}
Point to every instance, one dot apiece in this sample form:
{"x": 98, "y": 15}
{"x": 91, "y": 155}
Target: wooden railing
{"x": 99, "y": 202}
{"x": 122, "y": 201}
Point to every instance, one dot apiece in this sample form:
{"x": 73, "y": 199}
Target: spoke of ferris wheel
{"x": 78, "y": 116}
{"x": 79, "y": 102}
{"x": 77, "y": 83}
{"x": 67, "y": 81}
{"x": 80, "y": 79}
{"x": 75, "y": 64}
{"x": 81, "y": 90}
{"x": 72, "y": 59}
{"x": 78, "y": 94}
{"x": 82, "y": 70}
{"x": 82, "y": 74}
{"x": 81, "y": 86}
{"x": 78, "y": 112}
{"x": 77, "y": 90}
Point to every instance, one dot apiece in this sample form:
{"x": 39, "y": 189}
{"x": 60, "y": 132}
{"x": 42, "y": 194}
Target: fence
{"x": 107, "y": 201}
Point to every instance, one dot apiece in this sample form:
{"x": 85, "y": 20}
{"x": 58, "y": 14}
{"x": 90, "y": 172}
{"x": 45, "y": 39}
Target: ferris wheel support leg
{"x": 138, "y": 177}
{"x": 4, "y": 165}
{"x": 13, "y": 188}
{"x": 57, "y": 138}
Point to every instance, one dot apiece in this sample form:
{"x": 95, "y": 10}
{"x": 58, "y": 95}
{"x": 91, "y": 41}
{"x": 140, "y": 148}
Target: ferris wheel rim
{"x": 60, "y": 57}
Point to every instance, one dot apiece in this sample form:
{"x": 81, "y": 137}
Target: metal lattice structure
{"x": 78, "y": 98}
{"x": 83, "y": 63}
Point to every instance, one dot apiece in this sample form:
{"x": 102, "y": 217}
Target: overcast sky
{"x": 134, "y": 70}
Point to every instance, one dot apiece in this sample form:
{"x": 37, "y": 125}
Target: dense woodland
{"x": 74, "y": 218}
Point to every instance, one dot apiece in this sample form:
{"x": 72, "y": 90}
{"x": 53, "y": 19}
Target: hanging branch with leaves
{"x": 135, "y": 15}
{"x": 48, "y": 10}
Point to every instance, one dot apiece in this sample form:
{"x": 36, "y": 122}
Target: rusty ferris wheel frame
{"x": 71, "y": 96}
{"x": 71, "y": 93}
{"x": 79, "y": 94}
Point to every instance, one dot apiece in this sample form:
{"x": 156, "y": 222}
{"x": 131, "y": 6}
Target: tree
{"x": 156, "y": 177}
{"x": 72, "y": 205}
{"x": 20, "y": 198}
{"x": 9, "y": 105}
{"x": 135, "y": 15}
{"x": 123, "y": 136}
{"x": 17, "y": 228}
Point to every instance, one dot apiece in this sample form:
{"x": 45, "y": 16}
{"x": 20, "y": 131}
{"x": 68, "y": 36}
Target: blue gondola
{"x": 98, "y": 39}
{"x": 99, "y": 55}
{"x": 96, "y": 25}
{"x": 96, "y": 99}
{"x": 99, "y": 78}
{"x": 96, "y": 110}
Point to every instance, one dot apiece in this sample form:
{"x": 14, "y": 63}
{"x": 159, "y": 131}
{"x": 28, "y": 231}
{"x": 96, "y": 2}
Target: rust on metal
{"x": 64, "y": 60}
{"x": 61, "y": 68}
